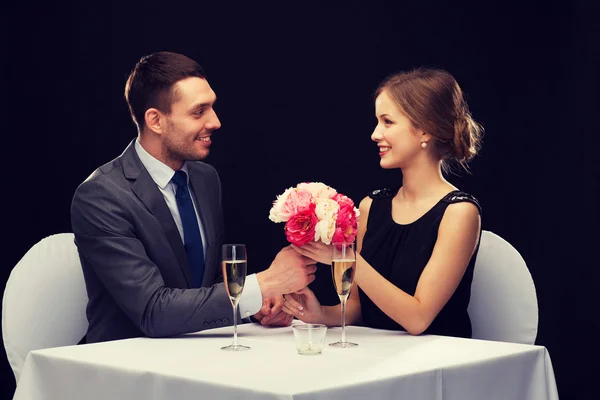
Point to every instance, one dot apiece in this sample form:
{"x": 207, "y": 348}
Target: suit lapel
{"x": 199, "y": 189}
{"x": 146, "y": 190}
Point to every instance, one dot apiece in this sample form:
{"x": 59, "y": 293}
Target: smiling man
{"x": 149, "y": 224}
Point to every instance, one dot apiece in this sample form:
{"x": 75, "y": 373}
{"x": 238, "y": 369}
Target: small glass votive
{"x": 310, "y": 338}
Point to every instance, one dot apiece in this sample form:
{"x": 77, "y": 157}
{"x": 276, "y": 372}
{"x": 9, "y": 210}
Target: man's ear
{"x": 155, "y": 120}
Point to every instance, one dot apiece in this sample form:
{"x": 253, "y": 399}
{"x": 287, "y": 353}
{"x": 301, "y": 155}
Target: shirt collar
{"x": 160, "y": 173}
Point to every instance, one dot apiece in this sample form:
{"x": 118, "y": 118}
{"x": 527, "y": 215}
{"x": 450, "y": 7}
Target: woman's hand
{"x": 303, "y": 305}
{"x": 318, "y": 251}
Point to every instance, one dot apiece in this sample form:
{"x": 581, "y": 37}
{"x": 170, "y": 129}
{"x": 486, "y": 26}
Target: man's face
{"x": 191, "y": 121}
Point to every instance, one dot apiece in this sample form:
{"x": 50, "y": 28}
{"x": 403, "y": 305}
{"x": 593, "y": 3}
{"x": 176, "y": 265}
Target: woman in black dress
{"x": 417, "y": 244}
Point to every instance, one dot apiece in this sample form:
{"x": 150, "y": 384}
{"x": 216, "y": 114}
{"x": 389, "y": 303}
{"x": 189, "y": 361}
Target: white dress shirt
{"x": 251, "y": 298}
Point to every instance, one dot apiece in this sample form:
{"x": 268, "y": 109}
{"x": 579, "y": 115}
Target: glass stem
{"x": 343, "y": 299}
{"x": 235, "y": 312}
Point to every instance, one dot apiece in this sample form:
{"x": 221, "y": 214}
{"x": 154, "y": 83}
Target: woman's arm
{"x": 457, "y": 239}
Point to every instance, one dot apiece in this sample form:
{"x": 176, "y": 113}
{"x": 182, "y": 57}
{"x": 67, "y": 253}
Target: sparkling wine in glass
{"x": 234, "y": 275}
{"x": 342, "y": 268}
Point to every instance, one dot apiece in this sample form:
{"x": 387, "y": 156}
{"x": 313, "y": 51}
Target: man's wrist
{"x": 264, "y": 282}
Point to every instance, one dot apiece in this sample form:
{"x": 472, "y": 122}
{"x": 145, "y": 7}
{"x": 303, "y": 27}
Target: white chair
{"x": 503, "y": 304}
{"x": 44, "y": 301}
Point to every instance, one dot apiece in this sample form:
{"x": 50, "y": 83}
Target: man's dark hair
{"x": 151, "y": 83}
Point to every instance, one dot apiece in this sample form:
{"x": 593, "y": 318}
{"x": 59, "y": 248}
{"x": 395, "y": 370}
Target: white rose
{"x": 326, "y": 193}
{"x": 312, "y": 187}
{"x": 276, "y": 213}
{"x": 318, "y": 190}
{"x": 326, "y": 211}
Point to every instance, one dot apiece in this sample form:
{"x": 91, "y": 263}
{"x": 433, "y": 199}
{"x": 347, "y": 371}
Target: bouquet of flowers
{"x": 317, "y": 212}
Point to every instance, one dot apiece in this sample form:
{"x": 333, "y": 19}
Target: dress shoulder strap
{"x": 383, "y": 193}
{"x": 458, "y": 196}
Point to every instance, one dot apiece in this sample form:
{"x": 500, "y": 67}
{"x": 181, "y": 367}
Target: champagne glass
{"x": 342, "y": 268}
{"x": 234, "y": 274}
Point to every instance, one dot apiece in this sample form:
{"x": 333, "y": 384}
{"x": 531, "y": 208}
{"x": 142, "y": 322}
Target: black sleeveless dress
{"x": 401, "y": 252}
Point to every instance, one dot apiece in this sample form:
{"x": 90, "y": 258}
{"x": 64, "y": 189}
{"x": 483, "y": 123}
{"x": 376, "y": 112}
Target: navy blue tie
{"x": 191, "y": 230}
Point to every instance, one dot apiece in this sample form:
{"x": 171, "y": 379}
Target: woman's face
{"x": 397, "y": 138}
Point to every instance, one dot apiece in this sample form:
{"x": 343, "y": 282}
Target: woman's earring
{"x": 423, "y": 145}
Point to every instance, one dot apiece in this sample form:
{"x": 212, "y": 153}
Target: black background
{"x": 295, "y": 87}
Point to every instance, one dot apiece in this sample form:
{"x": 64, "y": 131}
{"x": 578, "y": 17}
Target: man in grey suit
{"x": 148, "y": 225}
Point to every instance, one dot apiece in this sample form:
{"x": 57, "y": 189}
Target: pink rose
{"x": 298, "y": 200}
{"x": 338, "y": 236}
{"x": 318, "y": 190}
{"x": 350, "y": 234}
{"x": 343, "y": 201}
{"x": 346, "y": 223}
{"x": 300, "y": 228}
{"x": 346, "y": 217}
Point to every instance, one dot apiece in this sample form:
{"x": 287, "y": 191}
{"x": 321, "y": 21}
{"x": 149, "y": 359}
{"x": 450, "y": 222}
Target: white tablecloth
{"x": 386, "y": 365}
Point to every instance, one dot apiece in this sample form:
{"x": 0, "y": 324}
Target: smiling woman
{"x": 417, "y": 244}
{"x": 425, "y": 107}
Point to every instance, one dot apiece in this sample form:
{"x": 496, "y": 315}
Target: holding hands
{"x": 272, "y": 313}
{"x": 303, "y": 305}
{"x": 290, "y": 271}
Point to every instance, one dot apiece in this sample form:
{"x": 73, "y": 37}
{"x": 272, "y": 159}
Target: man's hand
{"x": 271, "y": 313}
{"x": 289, "y": 272}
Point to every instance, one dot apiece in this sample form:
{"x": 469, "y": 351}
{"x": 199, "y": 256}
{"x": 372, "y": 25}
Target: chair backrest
{"x": 44, "y": 301}
{"x": 503, "y": 304}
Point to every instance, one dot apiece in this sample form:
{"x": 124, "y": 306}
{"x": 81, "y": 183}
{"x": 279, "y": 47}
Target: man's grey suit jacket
{"x": 134, "y": 262}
